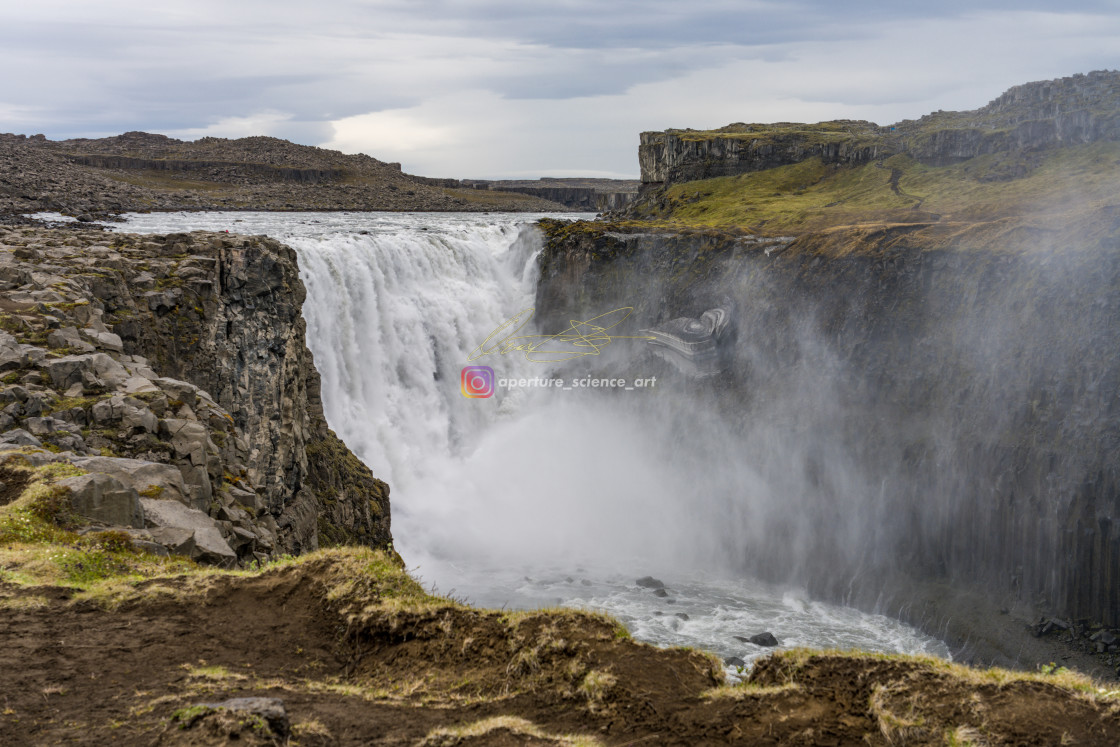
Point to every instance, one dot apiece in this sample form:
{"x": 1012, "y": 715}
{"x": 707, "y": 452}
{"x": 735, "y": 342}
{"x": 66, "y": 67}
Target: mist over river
{"x": 538, "y": 495}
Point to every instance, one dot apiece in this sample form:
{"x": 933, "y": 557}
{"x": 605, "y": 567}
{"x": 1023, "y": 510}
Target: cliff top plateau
{"x": 1043, "y": 156}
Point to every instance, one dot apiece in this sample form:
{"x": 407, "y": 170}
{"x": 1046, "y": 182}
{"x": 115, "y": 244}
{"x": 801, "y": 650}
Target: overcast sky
{"x": 519, "y": 88}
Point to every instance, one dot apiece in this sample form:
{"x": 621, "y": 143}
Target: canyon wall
{"x": 913, "y": 413}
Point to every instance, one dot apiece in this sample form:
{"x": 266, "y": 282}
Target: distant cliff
{"x": 1074, "y": 110}
{"x": 139, "y": 171}
{"x": 686, "y": 155}
{"x": 588, "y": 195}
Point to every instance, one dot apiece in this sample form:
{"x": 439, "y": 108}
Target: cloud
{"x": 899, "y": 71}
{"x": 496, "y": 87}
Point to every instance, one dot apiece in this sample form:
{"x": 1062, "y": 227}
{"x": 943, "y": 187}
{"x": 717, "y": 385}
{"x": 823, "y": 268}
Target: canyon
{"x": 915, "y": 413}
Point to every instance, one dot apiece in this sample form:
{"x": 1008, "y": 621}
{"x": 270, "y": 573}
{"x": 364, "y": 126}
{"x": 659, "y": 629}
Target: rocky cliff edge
{"x": 170, "y": 378}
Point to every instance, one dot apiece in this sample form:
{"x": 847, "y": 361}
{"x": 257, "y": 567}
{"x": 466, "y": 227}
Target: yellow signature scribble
{"x": 579, "y": 339}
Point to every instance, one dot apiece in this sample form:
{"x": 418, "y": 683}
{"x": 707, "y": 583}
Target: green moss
{"x": 67, "y": 305}
{"x": 70, "y": 403}
{"x": 336, "y": 473}
{"x": 187, "y": 716}
{"x": 58, "y": 470}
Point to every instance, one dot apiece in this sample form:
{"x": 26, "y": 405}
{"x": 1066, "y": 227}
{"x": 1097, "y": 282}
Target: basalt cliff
{"x": 923, "y": 357}
{"x": 170, "y": 379}
{"x": 1068, "y": 111}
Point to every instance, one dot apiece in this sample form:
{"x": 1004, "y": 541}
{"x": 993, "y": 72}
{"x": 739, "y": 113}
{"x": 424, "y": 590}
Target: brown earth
{"x": 362, "y": 659}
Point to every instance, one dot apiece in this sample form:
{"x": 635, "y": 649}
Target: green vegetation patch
{"x": 1059, "y": 185}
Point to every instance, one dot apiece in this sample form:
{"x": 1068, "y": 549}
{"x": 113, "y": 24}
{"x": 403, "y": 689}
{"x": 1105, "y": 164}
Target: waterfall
{"x": 392, "y": 318}
{"x": 534, "y": 496}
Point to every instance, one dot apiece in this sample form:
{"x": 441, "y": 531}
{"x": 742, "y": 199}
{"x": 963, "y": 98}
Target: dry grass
{"x": 1064, "y": 187}
{"x": 745, "y": 690}
{"x": 449, "y": 736}
{"x": 907, "y": 728}
{"x": 23, "y": 603}
{"x": 1073, "y": 682}
{"x": 596, "y": 685}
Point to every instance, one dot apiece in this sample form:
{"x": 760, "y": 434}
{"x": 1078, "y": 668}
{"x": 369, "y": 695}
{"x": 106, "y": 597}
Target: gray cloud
{"x": 309, "y": 72}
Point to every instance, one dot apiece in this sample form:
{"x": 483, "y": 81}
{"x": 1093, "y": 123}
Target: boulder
{"x": 163, "y": 513}
{"x": 91, "y": 369}
{"x": 176, "y": 540}
{"x": 66, "y": 371}
{"x": 102, "y": 497}
{"x": 197, "y": 480}
{"x": 162, "y": 302}
{"x": 70, "y": 443}
{"x": 212, "y": 548}
{"x": 44, "y": 426}
{"x": 764, "y": 639}
{"x": 34, "y": 457}
{"x": 138, "y": 385}
{"x": 149, "y": 546}
{"x": 150, "y": 479}
{"x": 68, "y": 337}
{"x": 139, "y": 418}
{"x": 208, "y": 544}
{"x": 256, "y": 501}
{"x": 109, "y": 371}
{"x": 649, "y": 582}
{"x": 19, "y": 437}
{"x": 178, "y": 390}
{"x": 10, "y": 355}
{"x": 107, "y": 410}
{"x": 268, "y": 712}
{"x": 189, "y": 439}
{"x": 104, "y": 339}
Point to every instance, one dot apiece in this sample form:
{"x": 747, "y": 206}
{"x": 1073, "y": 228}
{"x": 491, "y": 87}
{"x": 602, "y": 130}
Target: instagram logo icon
{"x": 478, "y": 382}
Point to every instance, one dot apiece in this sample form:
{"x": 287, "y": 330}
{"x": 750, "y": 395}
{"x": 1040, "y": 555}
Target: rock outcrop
{"x": 173, "y": 372}
{"x": 675, "y": 156}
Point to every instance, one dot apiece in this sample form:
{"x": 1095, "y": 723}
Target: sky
{"x": 519, "y": 88}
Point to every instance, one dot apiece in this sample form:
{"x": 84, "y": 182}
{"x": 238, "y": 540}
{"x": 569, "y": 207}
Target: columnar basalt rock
{"x": 975, "y": 388}
{"x": 176, "y": 368}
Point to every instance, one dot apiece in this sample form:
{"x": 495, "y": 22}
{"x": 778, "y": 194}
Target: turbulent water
{"x": 538, "y": 495}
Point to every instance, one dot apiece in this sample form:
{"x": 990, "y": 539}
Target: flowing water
{"x": 546, "y": 493}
